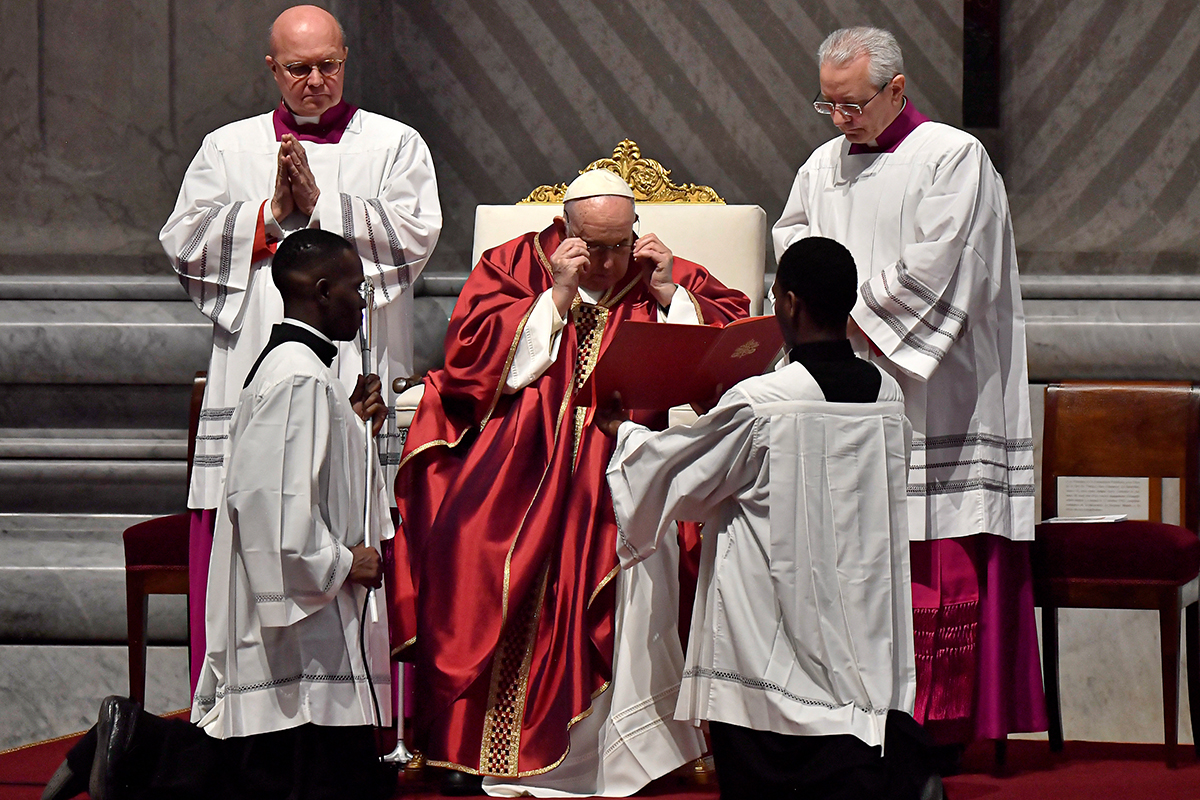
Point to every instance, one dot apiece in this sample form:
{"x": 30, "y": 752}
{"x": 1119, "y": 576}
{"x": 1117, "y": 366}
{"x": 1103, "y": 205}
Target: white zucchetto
{"x": 597, "y": 183}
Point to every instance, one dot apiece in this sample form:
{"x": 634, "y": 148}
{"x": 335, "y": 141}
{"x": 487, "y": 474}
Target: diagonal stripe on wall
{"x": 515, "y": 93}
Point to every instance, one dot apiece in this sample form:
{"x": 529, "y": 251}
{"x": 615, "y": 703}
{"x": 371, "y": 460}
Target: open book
{"x": 655, "y": 366}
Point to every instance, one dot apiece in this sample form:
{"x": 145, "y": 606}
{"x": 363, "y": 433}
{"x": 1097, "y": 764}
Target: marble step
{"x": 104, "y": 443}
{"x": 96, "y": 486}
{"x": 92, "y": 409}
{"x": 102, "y": 341}
{"x": 62, "y": 579}
{"x": 1144, "y": 339}
{"x": 42, "y": 286}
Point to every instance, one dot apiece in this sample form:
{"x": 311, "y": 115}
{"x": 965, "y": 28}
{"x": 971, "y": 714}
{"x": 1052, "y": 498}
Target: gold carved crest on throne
{"x": 650, "y": 180}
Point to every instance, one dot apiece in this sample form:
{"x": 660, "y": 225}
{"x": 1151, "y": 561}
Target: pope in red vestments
{"x": 507, "y": 519}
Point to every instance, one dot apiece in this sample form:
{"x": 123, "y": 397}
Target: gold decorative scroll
{"x": 651, "y": 181}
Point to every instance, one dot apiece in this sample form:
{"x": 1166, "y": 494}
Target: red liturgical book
{"x": 655, "y": 366}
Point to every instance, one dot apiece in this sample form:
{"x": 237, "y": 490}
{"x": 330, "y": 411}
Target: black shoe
{"x": 461, "y": 784}
{"x": 115, "y": 731}
{"x": 71, "y": 777}
{"x": 947, "y": 759}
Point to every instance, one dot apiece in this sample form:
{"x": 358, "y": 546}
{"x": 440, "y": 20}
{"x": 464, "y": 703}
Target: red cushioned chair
{"x": 156, "y": 561}
{"x": 1126, "y": 429}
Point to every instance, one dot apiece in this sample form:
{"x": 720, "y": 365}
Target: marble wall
{"x": 511, "y": 94}
{"x": 108, "y": 105}
{"x": 1101, "y": 134}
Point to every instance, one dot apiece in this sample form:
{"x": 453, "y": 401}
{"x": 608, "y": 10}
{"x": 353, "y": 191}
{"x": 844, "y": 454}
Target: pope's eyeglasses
{"x": 598, "y": 249}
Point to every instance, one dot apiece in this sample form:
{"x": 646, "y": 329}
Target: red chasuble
{"x": 508, "y": 523}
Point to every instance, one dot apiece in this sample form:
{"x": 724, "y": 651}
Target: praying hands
{"x": 295, "y": 187}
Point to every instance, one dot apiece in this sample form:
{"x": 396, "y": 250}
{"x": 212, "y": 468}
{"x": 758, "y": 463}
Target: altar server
{"x": 925, "y": 214}
{"x": 800, "y": 654}
{"x": 315, "y": 161}
{"x": 294, "y": 678}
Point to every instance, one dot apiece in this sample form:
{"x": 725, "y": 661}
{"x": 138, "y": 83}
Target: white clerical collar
{"x": 306, "y": 120}
{"x": 589, "y": 296}
{"x": 306, "y": 327}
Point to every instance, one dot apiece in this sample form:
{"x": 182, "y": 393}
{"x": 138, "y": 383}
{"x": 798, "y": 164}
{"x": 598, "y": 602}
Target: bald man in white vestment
{"x": 925, "y": 214}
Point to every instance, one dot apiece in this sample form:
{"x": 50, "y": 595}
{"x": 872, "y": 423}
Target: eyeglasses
{"x": 619, "y": 249}
{"x": 596, "y": 249}
{"x": 328, "y": 68}
{"x": 846, "y": 109}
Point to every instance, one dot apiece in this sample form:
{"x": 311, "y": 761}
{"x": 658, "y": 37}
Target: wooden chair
{"x": 1134, "y": 430}
{"x": 156, "y": 561}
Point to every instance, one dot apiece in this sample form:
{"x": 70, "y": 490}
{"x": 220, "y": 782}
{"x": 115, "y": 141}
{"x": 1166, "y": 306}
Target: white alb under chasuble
{"x": 802, "y": 622}
{"x": 378, "y": 190}
{"x": 930, "y": 231}
{"x": 282, "y": 623}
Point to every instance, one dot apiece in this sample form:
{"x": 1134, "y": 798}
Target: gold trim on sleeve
{"x": 542, "y": 257}
{"x": 433, "y": 443}
{"x": 402, "y": 647}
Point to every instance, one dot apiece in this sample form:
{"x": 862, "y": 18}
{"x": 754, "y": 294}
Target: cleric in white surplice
{"x": 285, "y": 599}
{"x": 925, "y": 214}
{"x": 800, "y": 651}
{"x": 361, "y": 175}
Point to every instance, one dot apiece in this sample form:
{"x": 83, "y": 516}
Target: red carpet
{"x": 1084, "y": 771}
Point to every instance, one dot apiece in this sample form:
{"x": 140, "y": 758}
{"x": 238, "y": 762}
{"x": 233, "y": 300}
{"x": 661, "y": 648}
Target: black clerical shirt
{"x": 286, "y": 332}
{"x": 842, "y": 376}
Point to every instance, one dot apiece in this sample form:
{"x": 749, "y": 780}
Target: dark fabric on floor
{"x": 171, "y": 759}
{"x": 757, "y": 764}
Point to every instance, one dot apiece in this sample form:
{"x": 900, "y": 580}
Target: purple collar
{"x": 328, "y": 131}
{"x": 905, "y": 123}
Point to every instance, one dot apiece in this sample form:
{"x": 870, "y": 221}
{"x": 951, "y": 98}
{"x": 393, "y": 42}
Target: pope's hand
{"x": 567, "y": 266}
{"x": 662, "y": 286}
{"x": 304, "y": 186}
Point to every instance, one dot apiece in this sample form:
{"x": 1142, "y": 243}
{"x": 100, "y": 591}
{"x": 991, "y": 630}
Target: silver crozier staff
{"x": 400, "y": 755}
{"x": 366, "y": 338}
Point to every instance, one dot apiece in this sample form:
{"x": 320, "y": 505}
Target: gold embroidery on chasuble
{"x": 501, "y": 743}
{"x": 590, "y": 322}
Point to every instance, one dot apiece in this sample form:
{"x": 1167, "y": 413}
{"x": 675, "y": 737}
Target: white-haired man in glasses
{"x": 926, "y": 217}
{"x": 315, "y": 161}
